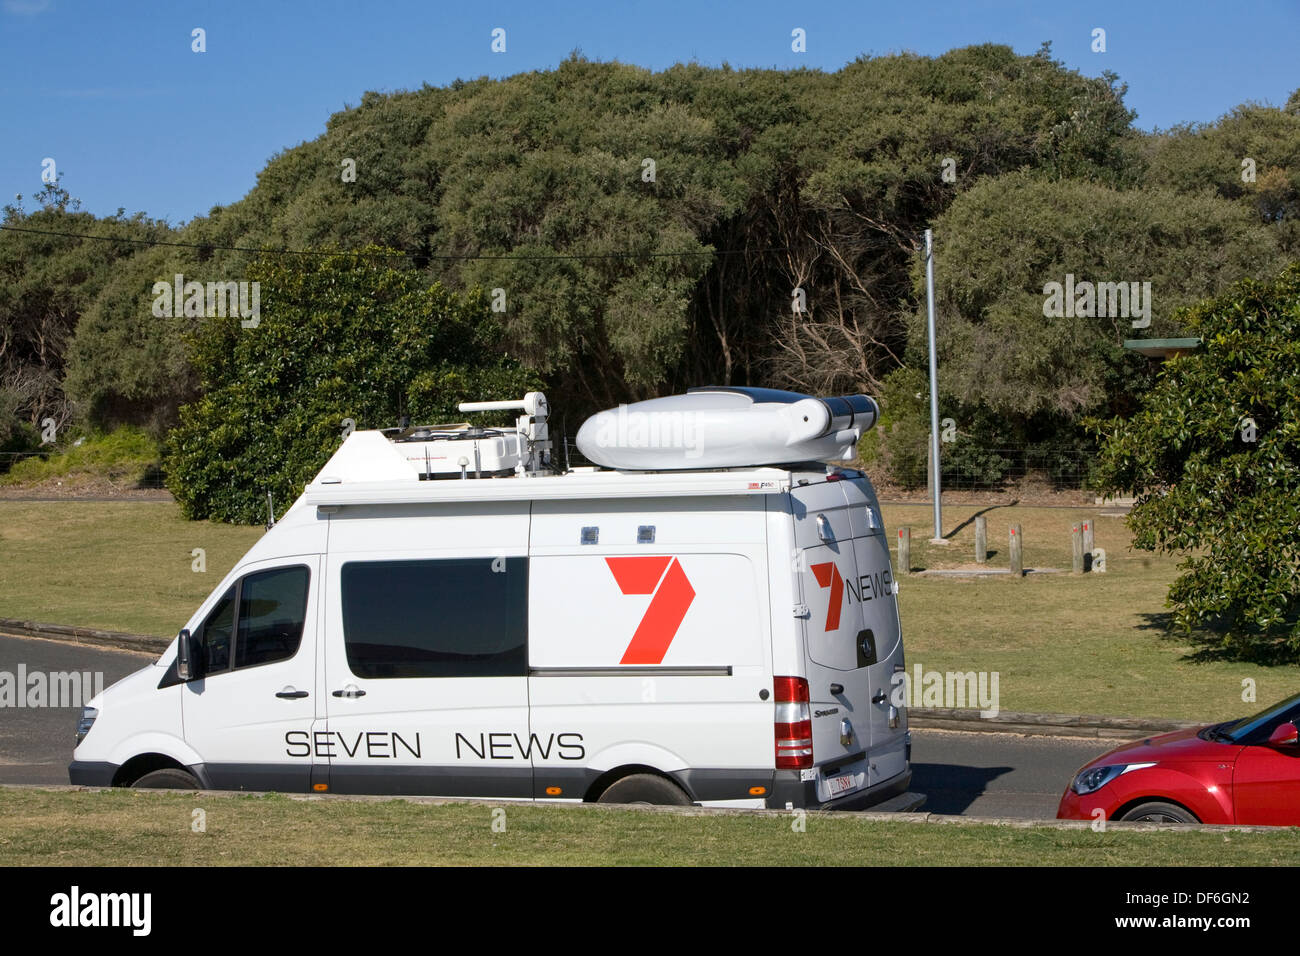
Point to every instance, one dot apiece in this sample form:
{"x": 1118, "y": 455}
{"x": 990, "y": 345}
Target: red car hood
{"x": 1180, "y": 745}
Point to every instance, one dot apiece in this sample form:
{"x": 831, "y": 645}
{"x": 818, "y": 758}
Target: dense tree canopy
{"x": 1007, "y": 239}
{"x": 623, "y": 278}
{"x": 646, "y": 231}
{"x": 49, "y": 276}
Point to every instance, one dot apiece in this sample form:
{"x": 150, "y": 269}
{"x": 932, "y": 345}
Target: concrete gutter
{"x": 84, "y": 635}
{"x": 922, "y": 718}
{"x": 1052, "y": 725}
{"x": 868, "y": 816}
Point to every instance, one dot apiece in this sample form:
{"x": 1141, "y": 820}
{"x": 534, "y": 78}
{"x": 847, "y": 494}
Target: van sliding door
{"x": 426, "y": 652}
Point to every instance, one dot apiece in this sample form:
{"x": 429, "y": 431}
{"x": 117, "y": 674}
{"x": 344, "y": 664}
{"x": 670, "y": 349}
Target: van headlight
{"x": 1094, "y": 778}
{"x": 86, "y": 721}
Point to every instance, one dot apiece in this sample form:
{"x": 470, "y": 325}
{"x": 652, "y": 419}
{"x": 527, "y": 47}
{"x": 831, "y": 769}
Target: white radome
{"x": 723, "y": 427}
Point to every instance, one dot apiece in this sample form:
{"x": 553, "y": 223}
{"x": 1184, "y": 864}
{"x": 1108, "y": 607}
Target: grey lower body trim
{"x": 428, "y": 781}
{"x": 574, "y": 783}
{"x": 260, "y": 777}
{"x": 700, "y": 784}
{"x": 91, "y": 773}
{"x": 788, "y": 788}
{"x": 630, "y": 671}
{"x": 725, "y": 784}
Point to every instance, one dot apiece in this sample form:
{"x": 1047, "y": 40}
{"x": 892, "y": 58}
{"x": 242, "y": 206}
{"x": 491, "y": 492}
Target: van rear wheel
{"x": 167, "y": 779}
{"x": 645, "y": 788}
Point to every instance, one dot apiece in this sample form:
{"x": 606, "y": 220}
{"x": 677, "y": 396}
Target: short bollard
{"x": 981, "y": 540}
{"x": 1017, "y": 552}
{"x": 904, "y": 550}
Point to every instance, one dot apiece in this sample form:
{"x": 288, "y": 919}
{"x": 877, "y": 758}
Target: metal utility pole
{"x": 934, "y": 392}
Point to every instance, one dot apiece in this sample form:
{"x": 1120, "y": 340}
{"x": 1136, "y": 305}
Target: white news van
{"x": 710, "y": 618}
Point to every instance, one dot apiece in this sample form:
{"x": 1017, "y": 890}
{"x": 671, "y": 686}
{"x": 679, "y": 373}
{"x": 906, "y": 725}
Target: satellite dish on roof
{"x": 726, "y": 427}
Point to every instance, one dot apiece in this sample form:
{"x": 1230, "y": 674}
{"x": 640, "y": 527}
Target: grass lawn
{"x": 1063, "y": 643}
{"x": 126, "y": 828}
{"x": 1060, "y": 643}
{"x": 122, "y": 566}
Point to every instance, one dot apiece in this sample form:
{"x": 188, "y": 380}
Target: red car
{"x": 1241, "y": 771}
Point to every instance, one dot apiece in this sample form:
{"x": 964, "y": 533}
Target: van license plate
{"x": 841, "y": 783}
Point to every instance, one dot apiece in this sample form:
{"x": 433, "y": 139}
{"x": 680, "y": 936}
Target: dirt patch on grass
{"x": 80, "y": 488}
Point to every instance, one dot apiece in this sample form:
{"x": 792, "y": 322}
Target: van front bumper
{"x": 789, "y": 790}
{"x": 92, "y": 773}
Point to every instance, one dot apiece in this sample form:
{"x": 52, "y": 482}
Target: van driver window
{"x": 271, "y": 609}
{"x": 217, "y": 629}
{"x": 272, "y": 605}
{"x": 450, "y": 617}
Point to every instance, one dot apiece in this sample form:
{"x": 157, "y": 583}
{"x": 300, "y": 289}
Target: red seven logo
{"x": 673, "y": 594}
{"x": 828, "y": 576}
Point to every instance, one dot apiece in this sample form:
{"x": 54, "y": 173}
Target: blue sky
{"x": 133, "y": 118}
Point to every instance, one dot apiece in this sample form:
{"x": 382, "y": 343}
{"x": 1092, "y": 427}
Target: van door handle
{"x": 880, "y": 697}
{"x": 837, "y": 688}
{"x": 291, "y": 694}
{"x": 350, "y": 692}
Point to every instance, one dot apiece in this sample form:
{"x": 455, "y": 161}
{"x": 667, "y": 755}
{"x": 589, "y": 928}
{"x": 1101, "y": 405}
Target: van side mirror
{"x": 186, "y": 656}
{"x": 1284, "y": 735}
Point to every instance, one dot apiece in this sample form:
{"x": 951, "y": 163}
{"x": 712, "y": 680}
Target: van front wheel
{"x": 645, "y": 788}
{"x": 167, "y": 779}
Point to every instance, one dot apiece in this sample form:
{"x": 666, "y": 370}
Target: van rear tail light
{"x": 793, "y": 724}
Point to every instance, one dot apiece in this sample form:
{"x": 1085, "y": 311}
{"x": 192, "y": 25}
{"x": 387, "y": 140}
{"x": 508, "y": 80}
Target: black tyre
{"x": 168, "y": 779}
{"x": 1158, "y": 812}
{"x": 645, "y": 788}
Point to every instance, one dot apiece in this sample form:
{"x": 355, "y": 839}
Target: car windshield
{"x": 1239, "y": 730}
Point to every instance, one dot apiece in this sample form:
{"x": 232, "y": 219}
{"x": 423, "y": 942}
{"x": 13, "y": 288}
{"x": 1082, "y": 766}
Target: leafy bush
{"x": 901, "y": 444}
{"x": 971, "y": 463}
{"x": 898, "y": 442}
{"x": 343, "y": 336}
{"x": 124, "y": 454}
{"x": 1209, "y": 488}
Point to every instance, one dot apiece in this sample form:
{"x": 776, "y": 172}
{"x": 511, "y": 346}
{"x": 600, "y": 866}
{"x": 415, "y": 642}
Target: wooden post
{"x": 1088, "y": 545}
{"x": 904, "y": 550}
{"x": 1076, "y": 549}
{"x": 981, "y": 540}
{"x": 1017, "y": 552}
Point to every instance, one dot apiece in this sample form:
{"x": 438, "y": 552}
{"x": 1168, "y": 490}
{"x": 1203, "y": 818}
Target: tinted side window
{"x": 453, "y": 617}
{"x": 217, "y": 631}
{"x": 272, "y": 605}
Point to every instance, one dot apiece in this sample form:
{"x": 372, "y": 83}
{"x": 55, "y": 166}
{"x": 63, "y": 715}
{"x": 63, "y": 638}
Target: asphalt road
{"x": 36, "y": 742}
{"x": 997, "y": 775}
{"x": 980, "y": 774}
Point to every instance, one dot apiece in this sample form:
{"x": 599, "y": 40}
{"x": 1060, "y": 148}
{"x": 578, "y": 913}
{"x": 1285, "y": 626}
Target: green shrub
{"x": 1213, "y": 489}
{"x": 339, "y": 337}
{"x": 124, "y": 454}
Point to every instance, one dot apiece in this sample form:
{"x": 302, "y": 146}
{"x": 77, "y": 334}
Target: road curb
{"x": 1052, "y": 725}
{"x": 922, "y": 718}
{"x": 868, "y": 816}
{"x": 83, "y": 635}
